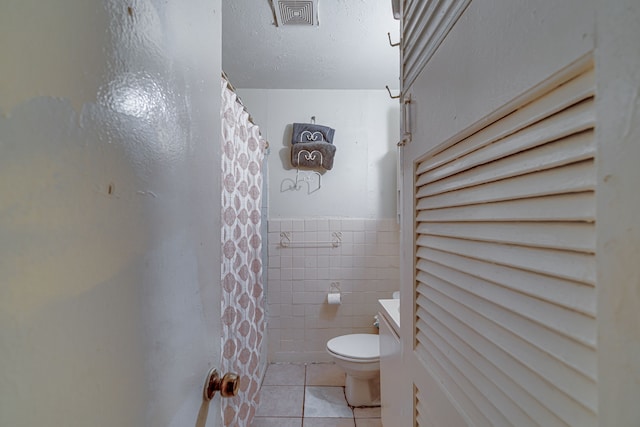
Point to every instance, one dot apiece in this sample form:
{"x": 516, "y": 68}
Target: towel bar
{"x": 286, "y": 242}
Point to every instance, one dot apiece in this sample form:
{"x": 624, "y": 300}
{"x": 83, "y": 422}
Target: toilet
{"x": 359, "y": 356}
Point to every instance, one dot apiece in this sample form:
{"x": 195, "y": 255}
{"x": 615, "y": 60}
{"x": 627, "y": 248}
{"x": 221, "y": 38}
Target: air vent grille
{"x": 303, "y": 13}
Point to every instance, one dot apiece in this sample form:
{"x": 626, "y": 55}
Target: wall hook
{"x": 393, "y": 97}
{"x": 390, "y": 42}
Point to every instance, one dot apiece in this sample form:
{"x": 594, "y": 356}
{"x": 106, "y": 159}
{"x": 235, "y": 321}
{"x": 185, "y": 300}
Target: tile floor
{"x": 309, "y": 396}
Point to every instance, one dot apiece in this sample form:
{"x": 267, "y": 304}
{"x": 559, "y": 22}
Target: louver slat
{"x": 574, "y": 325}
{"x": 440, "y": 366}
{"x": 579, "y": 237}
{"x": 505, "y": 264}
{"x": 570, "y": 121}
{"x": 564, "y": 96}
{"x": 574, "y": 296}
{"x": 514, "y": 358}
{"x": 572, "y": 149}
{"x": 575, "y": 178}
{"x": 563, "y": 264}
{"x": 495, "y": 368}
{"x": 564, "y": 207}
{"x": 425, "y": 25}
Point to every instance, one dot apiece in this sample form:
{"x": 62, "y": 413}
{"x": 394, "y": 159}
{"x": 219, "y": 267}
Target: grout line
{"x": 353, "y": 409}
{"x": 304, "y": 392}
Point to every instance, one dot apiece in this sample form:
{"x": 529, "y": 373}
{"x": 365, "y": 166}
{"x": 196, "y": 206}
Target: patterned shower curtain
{"x": 243, "y": 312}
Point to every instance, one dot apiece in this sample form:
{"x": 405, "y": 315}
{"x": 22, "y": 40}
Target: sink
{"x": 391, "y": 311}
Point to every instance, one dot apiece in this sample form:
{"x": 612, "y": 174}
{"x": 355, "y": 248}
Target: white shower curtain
{"x": 243, "y": 305}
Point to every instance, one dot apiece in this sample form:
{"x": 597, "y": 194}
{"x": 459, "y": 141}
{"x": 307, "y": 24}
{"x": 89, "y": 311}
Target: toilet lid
{"x": 356, "y": 346}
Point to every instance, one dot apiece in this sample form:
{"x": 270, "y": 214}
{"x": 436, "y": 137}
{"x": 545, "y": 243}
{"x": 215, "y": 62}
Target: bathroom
{"x": 354, "y": 204}
{"x": 110, "y": 218}
{"x": 335, "y": 238}
{"x": 106, "y": 265}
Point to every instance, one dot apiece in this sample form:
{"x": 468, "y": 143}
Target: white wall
{"x": 109, "y": 211}
{"x": 362, "y": 183}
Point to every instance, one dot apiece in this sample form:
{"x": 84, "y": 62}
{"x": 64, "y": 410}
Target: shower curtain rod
{"x": 233, "y": 89}
{"x": 239, "y": 101}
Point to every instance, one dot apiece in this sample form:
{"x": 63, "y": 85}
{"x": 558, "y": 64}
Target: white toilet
{"x": 359, "y": 356}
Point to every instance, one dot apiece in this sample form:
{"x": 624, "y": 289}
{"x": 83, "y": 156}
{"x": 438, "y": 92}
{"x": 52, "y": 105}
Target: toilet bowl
{"x": 359, "y": 356}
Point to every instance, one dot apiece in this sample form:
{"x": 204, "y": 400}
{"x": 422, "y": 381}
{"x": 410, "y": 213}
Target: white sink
{"x": 391, "y": 311}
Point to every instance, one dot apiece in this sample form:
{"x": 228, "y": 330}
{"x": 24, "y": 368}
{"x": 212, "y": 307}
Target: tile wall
{"x": 365, "y": 265}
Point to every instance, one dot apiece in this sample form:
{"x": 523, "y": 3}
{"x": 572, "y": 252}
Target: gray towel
{"x": 309, "y": 132}
{"x": 314, "y": 155}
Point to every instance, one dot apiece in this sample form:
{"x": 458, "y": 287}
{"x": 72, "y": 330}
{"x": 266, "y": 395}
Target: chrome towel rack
{"x": 287, "y": 242}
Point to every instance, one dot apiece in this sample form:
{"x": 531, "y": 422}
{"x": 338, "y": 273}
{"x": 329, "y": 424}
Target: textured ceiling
{"x": 349, "y": 50}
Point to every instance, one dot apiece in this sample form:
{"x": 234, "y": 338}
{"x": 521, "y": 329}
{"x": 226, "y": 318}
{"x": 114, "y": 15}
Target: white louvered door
{"x": 505, "y": 301}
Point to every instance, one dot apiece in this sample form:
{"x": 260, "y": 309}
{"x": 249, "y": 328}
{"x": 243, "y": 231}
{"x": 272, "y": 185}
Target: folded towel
{"x": 309, "y": 132}
{"x": 313, "y": 155}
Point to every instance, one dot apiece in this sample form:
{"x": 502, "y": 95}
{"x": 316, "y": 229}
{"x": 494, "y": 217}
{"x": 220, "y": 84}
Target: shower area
{"x": 243, "y": 326}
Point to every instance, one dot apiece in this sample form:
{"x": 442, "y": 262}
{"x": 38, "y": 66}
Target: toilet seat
{"x": 356, "y": 347}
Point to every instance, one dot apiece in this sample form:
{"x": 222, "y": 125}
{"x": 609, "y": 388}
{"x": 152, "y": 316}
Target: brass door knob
{"x": 228, "y": 385}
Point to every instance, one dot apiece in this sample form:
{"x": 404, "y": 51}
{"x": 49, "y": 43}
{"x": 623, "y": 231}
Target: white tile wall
{"x": 366, "y": 265}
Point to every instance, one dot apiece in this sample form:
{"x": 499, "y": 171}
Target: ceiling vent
{"x": 303, "y": 13}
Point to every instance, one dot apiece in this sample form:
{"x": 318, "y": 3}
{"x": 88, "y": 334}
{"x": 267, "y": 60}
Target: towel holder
{"x": 287, "y": 242}
{"x": 306, "y": 176}
{"x": 311, "y": 136}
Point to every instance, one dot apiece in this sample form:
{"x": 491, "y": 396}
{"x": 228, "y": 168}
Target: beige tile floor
{"x": 310, "y": 395}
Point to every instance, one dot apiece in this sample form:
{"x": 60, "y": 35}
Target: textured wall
{"x": 348, "y": 50}
{"x": 362, "y": 183}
